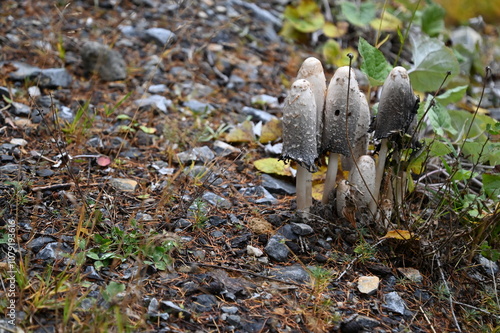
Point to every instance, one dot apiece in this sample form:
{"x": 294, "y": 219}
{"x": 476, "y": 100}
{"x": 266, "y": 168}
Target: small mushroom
{"x": 312, "y": 71}
{"x": 339, "y": 123}
{"x": 299, "y": 138}
{"x": 395, "y": 114}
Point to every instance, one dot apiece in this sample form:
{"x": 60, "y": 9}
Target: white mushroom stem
{"x": 303, "y": 189}
{"x": 331, "y": 176}
{"x": 382, "y": 156}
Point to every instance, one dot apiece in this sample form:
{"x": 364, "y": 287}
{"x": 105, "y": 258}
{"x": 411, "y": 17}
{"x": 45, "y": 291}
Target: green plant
{"x": 199, "y": 211}
{"x": 365, "y": 251}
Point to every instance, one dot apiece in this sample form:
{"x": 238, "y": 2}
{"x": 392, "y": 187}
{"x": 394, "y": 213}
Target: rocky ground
{"x": 128, "y": 198}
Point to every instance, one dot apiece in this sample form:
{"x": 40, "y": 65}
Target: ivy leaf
{"x": 431, "y": 61}
{"x": 440, "y": 120}
{"x": 374, "y": 64}
{"x": 359, "y": 15}
{"x": 452, "y": 95}
{"x": 491, "y": 185}
{"x": 433, "y": 20}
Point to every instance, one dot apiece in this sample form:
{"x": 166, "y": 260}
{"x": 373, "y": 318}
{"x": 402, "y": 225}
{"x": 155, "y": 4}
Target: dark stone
{"x": 216, "y": 221}
{"x": 36, "y": 244}
{"x": 107, "y": 63}
{"x": 294, "y": 273}
{"x": 44, "y": 173}
{"x": 162, "y": 37}
{"x": 203, "y": 303}
{"x": 358, "y": 324}
{"x": 277, "y": 186}
{"x": 54, "y": 77}
{"x": 276, "y": 249}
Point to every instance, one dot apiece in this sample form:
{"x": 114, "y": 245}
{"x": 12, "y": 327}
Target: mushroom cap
{"x": 299, "y": 125}
{"x": 361, "y": 137}
{"x": 335, "y": 131}
{"x": 397, "y": 104}
{"x": 312, "y": 71}
{"x": 366, "y": 166}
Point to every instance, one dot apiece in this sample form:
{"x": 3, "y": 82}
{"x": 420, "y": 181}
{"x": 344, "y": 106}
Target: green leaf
{"x": 461, "y": 120}
{"x": 452, "y": 95}
{"x": 433, "y": 20}
{"x": 491, "y": 185}
{"x": 431, "y": 61}
{"x": 306, "y": 17}
{"x": 112, "y": 290}
{"x": 438, "y": 148}
{"x": 440, "y": 120}
{"x": 358, "y": 14}
{"x": 148, "y": 130}
{"x": 374, "y": 64}
{"x": 123, "y": 117}
{"x": 93, "y": 255}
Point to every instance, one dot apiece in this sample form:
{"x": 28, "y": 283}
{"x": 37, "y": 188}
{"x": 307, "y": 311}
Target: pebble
{"x": 267, "y": 100}
{"x": 123, "y": 184}
{"x": 54, "y": 251}
{"x": 277, "y": 186}
{"x": 259, "y": 115}
{"x": 54, "y": 78}
{"x": 107, "y": 63}
{"x": 394, "y": 303}
{"x": 198, "y": 107}
{"x": 18, "y": 142}
{"x": 157, "y": 88}
{"x": 223, "y": 149}
{"x": 368, "y": 284}
{"x": 162, "y": 37}
{"x": 295, "y": 273}
{"x": 301, "y": 229}
{"x": 36, "y": 244}
{"x": 216, "y": 200}
{"x": 358, "y": 323}
{"x": 203, "y": 303}
{"x": 254, "y": 251}
{"x": 197, "y": 154}
{"x": 276, "y": 249}
{"x": 411, "y": 274}
{"x": 20, "y": 110}
{"x": 158, "y": 102}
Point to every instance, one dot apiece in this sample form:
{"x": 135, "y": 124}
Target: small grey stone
{"x": 107, "y": 63}
{"x": 217, "y": 234}
{"x": 229, "y": 309}
{"x": 162, "y": 37}
{"x": 54, "y": 77}
{"x": 257, "y": 114}
{"x": 264, "y": 99}
{"x": 203, "y": 303}
{"x": 301, "y": 229}
{"x": 54, "y": 251}
{"x": 182, "y": 223}
{"x": 197, "y": 106}
{"x": 20, "y": 110}
{"x": 277, "y": 186}
{"x": 9, "y": 168}
{"x": 153, "y": 306}
{"x": 197, "y": 154}
{"x": 216, "y": 200}
{"x": 174, "y": 308}
{"x": 294, "y": 273}
{"x": 91, "y": 273}
{"x": 66, "y": 113}
{"x": 222, "y": 148}
{"x": 36, "y": 244}
{"x": 394, "y": 303}
{"x": 488, "y": 265}
{"x": 359, "y": 324}
{"x": 23, "y": 71}
{"x": 233, "y": 320}
{"x": 44, "y": 173}
{"x": 157, "y": 101}
{"x": 260, "y": 13}
{"x": 157, "y": 88}
{"x": 287, "y": 232}
{"x": 276, "y": 249}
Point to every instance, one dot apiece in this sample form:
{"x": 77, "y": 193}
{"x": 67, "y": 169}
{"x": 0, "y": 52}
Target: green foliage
{"x": 358, "y": 14}
{"x": 431, "y": 61}
{"x": 112, "y": 290}
{"x": 374, "y": 64}
{"x": 433, "y": 20}
{"x": 306, "y": 17}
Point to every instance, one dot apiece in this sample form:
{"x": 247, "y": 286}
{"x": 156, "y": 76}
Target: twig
{"x": 52, "y": 187}
{"x": 477, "y": 309}
{"x": 427, "y": 319}
{"x": 450, "y": 299}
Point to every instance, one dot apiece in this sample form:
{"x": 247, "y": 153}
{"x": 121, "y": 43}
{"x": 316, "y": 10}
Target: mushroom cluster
{"x": 334, "y": 121}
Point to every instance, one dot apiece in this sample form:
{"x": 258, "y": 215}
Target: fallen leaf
{"x": 271, "y": 131}
{"x": 242, "y": 133}
{"x": 273, "y": 165}
{"x": 399, "y": 234}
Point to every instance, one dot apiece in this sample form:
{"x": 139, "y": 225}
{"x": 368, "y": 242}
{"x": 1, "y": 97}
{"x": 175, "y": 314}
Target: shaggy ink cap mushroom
{"x": 299, "y": 126}
{"x": 312, "y": 71}
{"x": 335, "y": 131}
{"x": 397, "y": 104}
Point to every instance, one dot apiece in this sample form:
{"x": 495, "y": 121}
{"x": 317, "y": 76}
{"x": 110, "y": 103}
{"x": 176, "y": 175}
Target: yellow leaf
{"x": 399, "y": 234}
{"x": 242, "y": 133}
{"x": 388, "y": 23}
{"x": 317, "y": 191}
{"x": 271, "y": 131}
{"x": 273, "y": 165}
{"x": 334, "y": 31}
